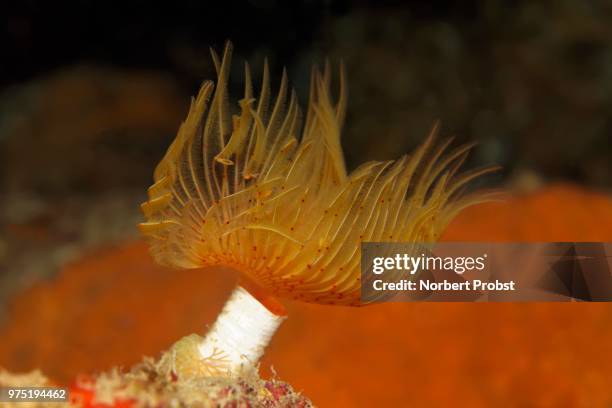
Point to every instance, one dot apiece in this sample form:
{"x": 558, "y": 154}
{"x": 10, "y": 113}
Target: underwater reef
{"x": 148, "y": 384}
{"x": 85, "y": 118}
{"x": 100, "y": 322}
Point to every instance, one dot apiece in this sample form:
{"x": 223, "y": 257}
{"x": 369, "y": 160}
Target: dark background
{"x": 531, "y": 82}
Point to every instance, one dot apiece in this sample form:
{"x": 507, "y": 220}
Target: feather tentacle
{"x": 260, "y": 192}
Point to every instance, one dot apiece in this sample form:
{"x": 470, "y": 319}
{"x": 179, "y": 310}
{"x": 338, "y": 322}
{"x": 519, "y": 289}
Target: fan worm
{"x": 265, "y": 190}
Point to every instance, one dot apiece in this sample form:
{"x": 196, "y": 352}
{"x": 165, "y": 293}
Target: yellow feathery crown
{"x": 261, "y": 192}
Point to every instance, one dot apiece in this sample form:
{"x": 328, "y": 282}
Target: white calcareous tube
{"x": 241, "y": 333}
